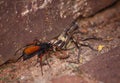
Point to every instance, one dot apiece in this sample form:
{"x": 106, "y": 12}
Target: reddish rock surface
{"x": 69, "y": 79}
{"x": 73, "y": 79}
{"x": 105, "y": 67}
{"x": 84, "y": 8}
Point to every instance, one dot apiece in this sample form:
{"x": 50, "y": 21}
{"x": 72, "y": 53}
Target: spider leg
{"x": 68, "y": 48}
{"x": 78, "y": 47}
{"x": 91, "y": 38}
{"x": 79, "y": 52}
{"x": 67, "y": 41}
{"x": 88, "y": 45}
{"x": 69, "y": 32}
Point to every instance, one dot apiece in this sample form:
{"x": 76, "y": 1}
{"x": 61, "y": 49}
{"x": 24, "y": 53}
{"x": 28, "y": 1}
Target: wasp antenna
{"x": 36, "y": 40}
{"x": 18, "y": 58}
{"x": 18, "y": 50}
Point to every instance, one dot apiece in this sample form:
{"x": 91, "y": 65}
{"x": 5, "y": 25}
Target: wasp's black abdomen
{"x": 45, "y": 46}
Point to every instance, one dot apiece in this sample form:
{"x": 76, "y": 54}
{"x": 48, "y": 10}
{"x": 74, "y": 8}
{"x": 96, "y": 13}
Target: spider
{"x": 67, "y": 36}
{"x": 41, "y": 49}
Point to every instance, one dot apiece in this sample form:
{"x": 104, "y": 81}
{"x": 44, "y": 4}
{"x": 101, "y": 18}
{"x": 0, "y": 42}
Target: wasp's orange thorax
{"x": 31, "y": 49}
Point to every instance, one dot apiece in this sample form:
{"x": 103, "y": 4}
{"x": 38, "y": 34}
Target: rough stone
{"x": 83, "y": 8}
{"x": 69, "y": 79}
{"x": 105, "y": 67}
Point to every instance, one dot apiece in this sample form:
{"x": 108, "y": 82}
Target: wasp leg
{"x": 35, "y": 41}
{"x": 41, "y": 64}
{"x": 47, "y": 59}
{"x": 37, "y": 61}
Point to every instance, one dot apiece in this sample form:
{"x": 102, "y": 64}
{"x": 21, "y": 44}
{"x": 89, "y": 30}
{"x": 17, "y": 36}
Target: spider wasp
{"x": 36, "y": 48}
{"x": 40, "y": 49}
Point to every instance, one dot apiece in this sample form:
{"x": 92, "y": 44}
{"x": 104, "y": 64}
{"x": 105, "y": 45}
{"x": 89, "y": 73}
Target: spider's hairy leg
{"x": 78, "y": 47}
{"x": 88, "y": 45}
{"x": 92, "y": 38}
{"x": 70, "y": 32}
